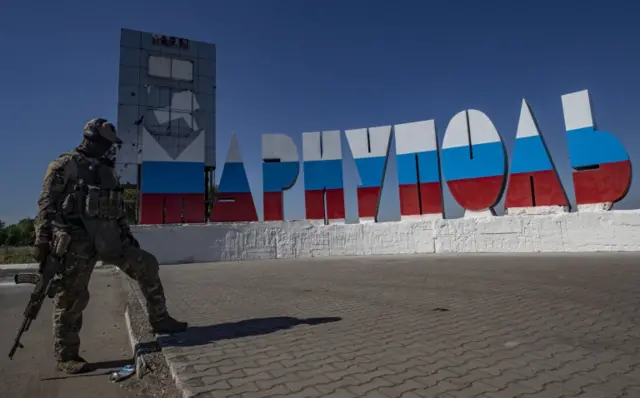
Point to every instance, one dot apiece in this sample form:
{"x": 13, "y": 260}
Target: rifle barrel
{"x": 44, "y": 287}
{"x": 16, "y": 343}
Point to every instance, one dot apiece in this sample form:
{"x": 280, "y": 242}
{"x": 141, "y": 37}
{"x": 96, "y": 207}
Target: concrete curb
{"x": 137, "y": 328}
{"x": 133, "y": 341}
{"x": 144, "y": 344}
{"x": 134, "y": 333}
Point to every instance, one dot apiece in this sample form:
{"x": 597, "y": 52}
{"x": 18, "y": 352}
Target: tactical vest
{"x": 93, "y": 191}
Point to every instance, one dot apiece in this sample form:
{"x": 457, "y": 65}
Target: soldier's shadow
{"x": 199, "y": 335}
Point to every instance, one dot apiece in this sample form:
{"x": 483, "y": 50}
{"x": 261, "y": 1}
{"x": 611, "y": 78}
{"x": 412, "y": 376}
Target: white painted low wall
{"x": 569, "y": 232}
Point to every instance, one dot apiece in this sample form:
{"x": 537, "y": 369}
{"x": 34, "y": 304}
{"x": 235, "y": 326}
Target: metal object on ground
{"x": 124, "y": 373}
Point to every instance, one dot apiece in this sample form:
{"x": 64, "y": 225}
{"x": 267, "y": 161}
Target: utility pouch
{"x": 105, "y": 210}
{"x": 61, "y": 242}
{"x": 92, "y": 201}
{"x": 116, "y": 203}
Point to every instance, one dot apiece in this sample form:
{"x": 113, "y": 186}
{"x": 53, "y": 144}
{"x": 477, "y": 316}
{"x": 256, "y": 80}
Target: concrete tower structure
{"x": 166, "y": 118}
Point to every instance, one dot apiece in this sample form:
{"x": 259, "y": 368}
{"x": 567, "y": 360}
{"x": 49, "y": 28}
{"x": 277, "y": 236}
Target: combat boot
{"x": 168, "y": 325}
{"x": 74, "y": 365}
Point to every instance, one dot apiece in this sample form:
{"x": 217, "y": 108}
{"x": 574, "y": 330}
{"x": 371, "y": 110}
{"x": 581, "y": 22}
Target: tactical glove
{"x": 41, "y": 251}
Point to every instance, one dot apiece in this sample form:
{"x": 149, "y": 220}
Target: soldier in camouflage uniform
{"x": 80, "y": 220}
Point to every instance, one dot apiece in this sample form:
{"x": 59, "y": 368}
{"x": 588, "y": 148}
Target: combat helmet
{"x": 101, "y": 128}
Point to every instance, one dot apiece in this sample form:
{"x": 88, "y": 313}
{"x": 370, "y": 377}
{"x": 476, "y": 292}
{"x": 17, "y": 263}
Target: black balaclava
{"x": 95, "y": 148}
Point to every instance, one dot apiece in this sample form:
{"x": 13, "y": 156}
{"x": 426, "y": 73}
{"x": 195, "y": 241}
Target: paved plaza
{"x": 414, "y": 326}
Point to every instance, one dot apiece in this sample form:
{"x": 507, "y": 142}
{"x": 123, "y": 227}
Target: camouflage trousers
{"x": 73, "y": 296}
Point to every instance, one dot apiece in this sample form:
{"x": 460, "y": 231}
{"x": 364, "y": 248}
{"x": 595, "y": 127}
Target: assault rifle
{"x": 46, "y": 285}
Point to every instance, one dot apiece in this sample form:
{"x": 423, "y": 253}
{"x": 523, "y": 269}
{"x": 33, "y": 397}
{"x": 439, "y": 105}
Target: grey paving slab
{"x": 416, "y": 326}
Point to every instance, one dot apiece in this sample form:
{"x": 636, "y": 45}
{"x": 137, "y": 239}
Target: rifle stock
{"x": 46, "y": 283}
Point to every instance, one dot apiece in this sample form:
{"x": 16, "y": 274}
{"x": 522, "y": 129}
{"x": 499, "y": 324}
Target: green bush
{"x": 20, "y": 234}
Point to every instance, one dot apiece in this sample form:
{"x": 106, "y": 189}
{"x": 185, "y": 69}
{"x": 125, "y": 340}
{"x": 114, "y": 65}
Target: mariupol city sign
{"x": 472, "y": 159}
{"x": 176, "y": 83}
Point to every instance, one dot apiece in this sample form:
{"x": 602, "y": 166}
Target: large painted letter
{"x": 370, "y": 149}
{"x": 280, "y": 168}
{"x": 534, "y": 186}
{"x": 602, "y": 169}
{"x": 474, "y": 162}
{"x": 172, "y": 189}
{"x": 418, "y": 170}
{"x": 234, "y": 202}
{"x": 322, "y": 157}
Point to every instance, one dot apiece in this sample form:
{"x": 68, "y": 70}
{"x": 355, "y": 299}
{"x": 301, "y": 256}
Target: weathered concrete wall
{"x": 564, "y": 232}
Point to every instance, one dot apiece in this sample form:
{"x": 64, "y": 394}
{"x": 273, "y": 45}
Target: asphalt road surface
{"x": 32, "y": 374}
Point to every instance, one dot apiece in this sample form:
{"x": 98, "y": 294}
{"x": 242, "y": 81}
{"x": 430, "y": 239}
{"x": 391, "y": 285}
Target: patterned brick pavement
{"x": 416, "y": 326}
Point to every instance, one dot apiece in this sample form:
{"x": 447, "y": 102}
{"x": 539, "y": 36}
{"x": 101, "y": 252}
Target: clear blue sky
{"x": 291, "y": 66}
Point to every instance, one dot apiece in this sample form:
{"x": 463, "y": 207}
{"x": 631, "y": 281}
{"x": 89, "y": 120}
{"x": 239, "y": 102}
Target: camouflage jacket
{"x": 61, "y": 200}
